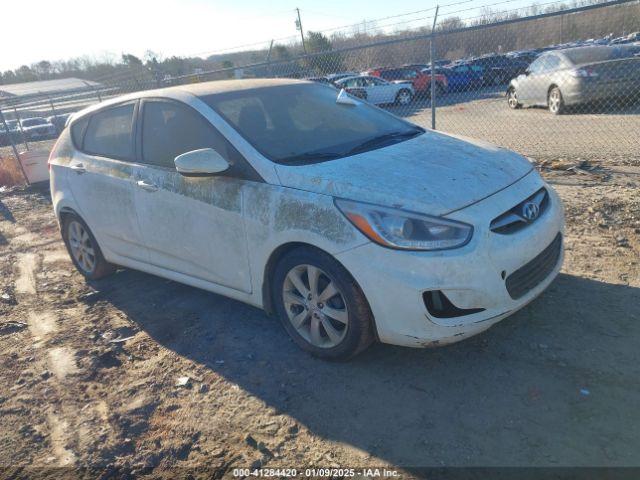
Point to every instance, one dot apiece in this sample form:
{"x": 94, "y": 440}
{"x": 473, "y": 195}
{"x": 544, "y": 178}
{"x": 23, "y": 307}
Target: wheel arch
{"x": 269, "y": 269}
{"x": 279, "y": 253}
{"x": 65, "y": 211}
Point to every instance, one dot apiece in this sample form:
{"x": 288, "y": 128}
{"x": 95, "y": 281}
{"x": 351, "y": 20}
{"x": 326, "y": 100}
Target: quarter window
{"x": 77, "y": 131}
{"x": 109, "y": 133}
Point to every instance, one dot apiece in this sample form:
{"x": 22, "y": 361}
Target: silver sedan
{"x": 600, "y": 75}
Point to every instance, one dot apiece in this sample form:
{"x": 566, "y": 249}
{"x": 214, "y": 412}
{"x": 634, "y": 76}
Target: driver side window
{"x": 170, "y": 129}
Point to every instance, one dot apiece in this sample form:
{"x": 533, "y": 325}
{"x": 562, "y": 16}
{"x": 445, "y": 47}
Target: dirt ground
{"x": 92, "y": 375}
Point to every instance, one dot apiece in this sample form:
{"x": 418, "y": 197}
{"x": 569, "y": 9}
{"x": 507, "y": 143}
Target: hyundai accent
{"x": 348, "y": 223}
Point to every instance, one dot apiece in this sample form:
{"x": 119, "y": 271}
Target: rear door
{"x": 378, "y": 90}
{"x": 100, "y": 179}
{"x": 190, "y": 225}
{"x": 390, "y": 89}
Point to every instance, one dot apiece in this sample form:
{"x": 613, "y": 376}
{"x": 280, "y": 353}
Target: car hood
{"x": 432, "y": 173}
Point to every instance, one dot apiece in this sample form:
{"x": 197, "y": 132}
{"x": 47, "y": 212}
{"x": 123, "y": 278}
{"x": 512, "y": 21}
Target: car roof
{"x": 196, "y": 89}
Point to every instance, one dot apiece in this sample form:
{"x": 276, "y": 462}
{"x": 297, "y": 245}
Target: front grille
{"x": 515, "y": 219}
{"x": 527, "y": 277}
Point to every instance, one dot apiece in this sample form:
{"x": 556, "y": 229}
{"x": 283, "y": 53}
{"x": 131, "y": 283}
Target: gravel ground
{"x": 90, "y": 375}
{"x": 580, "y": 135}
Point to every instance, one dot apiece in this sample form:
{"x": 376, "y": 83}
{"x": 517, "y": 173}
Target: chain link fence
{"x": 562, "y": 84}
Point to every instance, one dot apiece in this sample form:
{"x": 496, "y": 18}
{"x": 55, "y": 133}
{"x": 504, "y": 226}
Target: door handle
{"x": 78, "y": 168}
{"x": 146, "y": 186}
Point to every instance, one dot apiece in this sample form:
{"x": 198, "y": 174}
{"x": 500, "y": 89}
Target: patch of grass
{"x": 10, "y": 173}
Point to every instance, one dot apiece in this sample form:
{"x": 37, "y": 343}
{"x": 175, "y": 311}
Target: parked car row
{"x": 32, "y": 129}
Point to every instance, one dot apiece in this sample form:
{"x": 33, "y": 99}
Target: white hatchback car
{"x": 347, "y": 222}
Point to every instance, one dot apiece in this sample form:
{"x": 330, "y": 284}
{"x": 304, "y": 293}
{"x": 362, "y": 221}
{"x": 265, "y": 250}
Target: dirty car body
{"x": 440, "y": 237}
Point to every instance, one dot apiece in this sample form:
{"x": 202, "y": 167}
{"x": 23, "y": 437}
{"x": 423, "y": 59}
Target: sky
{"x": 53, "y": 30}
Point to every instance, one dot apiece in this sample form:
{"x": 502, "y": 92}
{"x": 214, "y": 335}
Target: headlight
{"x": 403, "y": 230}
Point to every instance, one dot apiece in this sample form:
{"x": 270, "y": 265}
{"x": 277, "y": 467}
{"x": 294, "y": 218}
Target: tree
{"x": 228, "y": 64}
{"x": 131, "y": 60}
{"x": 329, "y": 62}
{"x": 43, "y": 69}
{"x": 280, "y": 53}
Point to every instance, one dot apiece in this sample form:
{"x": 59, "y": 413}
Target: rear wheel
{"x": 320, "y": 305}
{"x": 555, "y": 101}
{"x": 83, "y": 248}
{"x": 404, "y": 97}
{"x": 512, "y": 99}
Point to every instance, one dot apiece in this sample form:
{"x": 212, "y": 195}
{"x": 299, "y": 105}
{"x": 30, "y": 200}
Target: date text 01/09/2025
{"x": 315, "y": 472}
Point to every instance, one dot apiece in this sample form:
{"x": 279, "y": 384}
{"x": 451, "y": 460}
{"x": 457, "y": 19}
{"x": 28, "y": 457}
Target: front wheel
{"x": 404, "y": 97}
{"x": 555, "y": 101}
{"x": 512, "y": 99}
{"x": 321, "y": 306}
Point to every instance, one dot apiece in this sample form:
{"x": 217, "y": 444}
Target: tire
{"x": 555, "y": 101}
{"x": 92, "y": 266}
{"x": 512, "y": 99}
{"x": 343, "y": 321}
{"x": 404, "y": 97}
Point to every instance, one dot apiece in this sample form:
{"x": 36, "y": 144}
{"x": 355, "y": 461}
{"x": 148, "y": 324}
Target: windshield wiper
{"x": 386, "y": 139}
{"x": 309, "y": 157}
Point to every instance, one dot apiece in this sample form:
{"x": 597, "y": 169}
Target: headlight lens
{"x": 403, "y": 230}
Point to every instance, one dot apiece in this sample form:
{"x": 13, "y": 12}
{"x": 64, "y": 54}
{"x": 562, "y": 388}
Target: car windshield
{"x": 580, "y": 56}
{"x": 302, "y": 123}
{"x": 32, "y": 122}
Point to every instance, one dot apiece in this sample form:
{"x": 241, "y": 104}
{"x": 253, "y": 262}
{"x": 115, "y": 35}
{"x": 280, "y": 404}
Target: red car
{"x": 421, "y": 80}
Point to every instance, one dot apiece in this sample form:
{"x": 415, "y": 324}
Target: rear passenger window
{"x": 170, "y": 129}
{"x": 109, "y": 133}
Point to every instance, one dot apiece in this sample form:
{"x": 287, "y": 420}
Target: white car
{"x": 377, "y": 90}
{"x": 37, "y": 128}
{"x": 348, "y": 223}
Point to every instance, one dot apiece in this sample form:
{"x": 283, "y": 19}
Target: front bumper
{"x": 471, "y": 277}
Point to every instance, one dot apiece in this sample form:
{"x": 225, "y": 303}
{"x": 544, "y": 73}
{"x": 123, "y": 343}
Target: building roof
{"x": 45, "y": 87}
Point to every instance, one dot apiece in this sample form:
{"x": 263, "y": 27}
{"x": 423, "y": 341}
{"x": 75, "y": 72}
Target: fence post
{"x": 432, "y": 50}
{"x": 269, "y": 69}
{"x": 13, "y": 146}
{"x": 22, "y": 135}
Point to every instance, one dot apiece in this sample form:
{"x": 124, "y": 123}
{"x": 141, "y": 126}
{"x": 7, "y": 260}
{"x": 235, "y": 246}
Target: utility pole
{"x": 432, "y": 53}
{"x": 299, "y": 27}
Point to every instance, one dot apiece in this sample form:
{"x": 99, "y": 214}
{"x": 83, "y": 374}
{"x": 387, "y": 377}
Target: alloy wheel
{"x": 315, "y": 306}
{"x": 512, "y": 99}
{"x": 404, "y": 98}
{"x": 81, "y": 246}
{"x": 555, "y": 101}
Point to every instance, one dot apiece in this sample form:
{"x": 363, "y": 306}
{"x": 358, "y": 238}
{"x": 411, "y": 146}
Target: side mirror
{"x": 344, "y": 99}
{"x": 201, "y": 163}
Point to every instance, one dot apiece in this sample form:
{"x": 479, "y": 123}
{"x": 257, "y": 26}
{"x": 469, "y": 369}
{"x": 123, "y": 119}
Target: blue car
{"x": 462, "y": 77}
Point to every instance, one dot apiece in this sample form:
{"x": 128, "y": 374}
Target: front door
{"x": 190, "y": 225}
